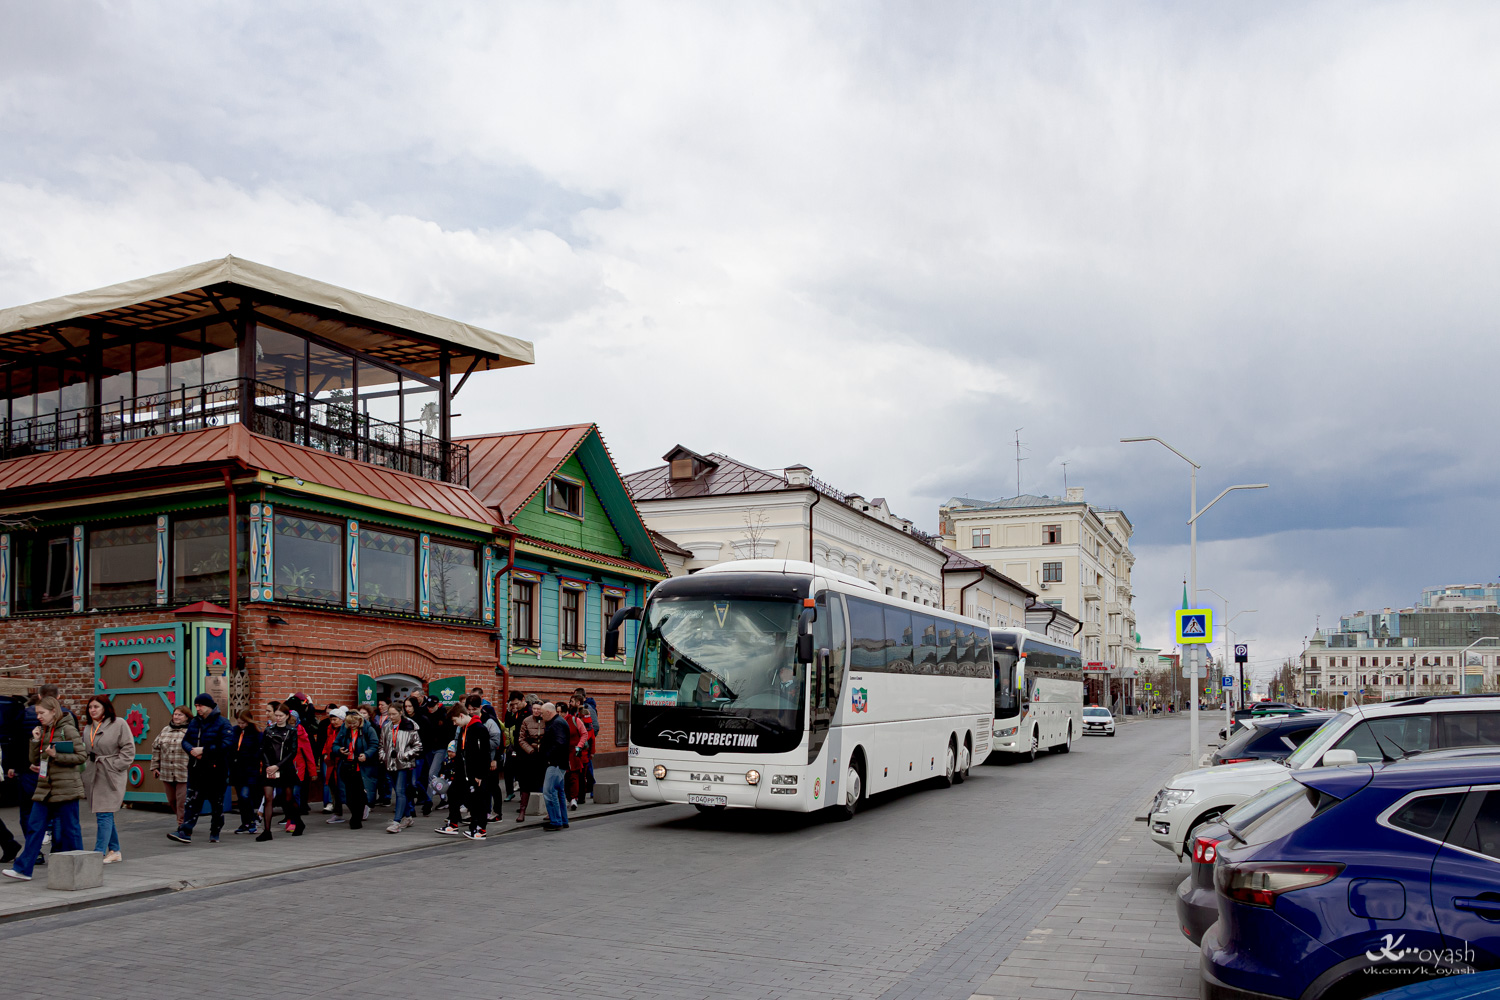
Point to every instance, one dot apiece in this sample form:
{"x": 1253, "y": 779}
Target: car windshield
{"x": 1319, "y": 741}
{"x": 1096, "y": 713}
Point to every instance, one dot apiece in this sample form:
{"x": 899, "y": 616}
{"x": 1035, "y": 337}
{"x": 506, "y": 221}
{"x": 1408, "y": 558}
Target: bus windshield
{"x": 718, "y": 674}
{"x": 1007, "y": 697}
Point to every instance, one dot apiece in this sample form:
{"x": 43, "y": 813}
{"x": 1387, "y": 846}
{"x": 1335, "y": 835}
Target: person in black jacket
{"x": 244, "y": 769}
{"x": 469, "y": 767}
{"x": 209, "y": 743}
{"x": 556, "y": 748}
{"x": 279, "y": 746}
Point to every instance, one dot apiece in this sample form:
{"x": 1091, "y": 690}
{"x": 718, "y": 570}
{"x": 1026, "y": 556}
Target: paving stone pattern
{"x": 926, "y": 894}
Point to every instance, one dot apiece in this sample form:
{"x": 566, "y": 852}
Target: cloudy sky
{"x": 872, "y": 238}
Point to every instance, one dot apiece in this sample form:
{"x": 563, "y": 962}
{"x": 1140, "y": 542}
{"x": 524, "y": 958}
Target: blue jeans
{"x": 552, "y": 794}
{"x": 108, "y": 837}
{"x": 402, "y": 798}
{"x": 44, "y": 816}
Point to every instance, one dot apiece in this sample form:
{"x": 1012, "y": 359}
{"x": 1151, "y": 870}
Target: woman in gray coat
{"x": 110, "y": 748}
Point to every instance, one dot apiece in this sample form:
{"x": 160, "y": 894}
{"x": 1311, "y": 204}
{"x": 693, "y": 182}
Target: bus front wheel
{"x": 1036, "y": 746}
{"x": 854, "y": 791}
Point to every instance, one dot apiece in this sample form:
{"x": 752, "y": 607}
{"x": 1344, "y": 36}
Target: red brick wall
{"x": 317, "y": 652}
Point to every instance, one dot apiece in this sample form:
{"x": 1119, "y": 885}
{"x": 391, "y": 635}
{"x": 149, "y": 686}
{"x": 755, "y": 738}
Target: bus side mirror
{"x": 612, "y": 634}
{"x": 805, "y": 647}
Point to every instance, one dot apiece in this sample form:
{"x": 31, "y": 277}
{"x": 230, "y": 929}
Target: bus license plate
{"x": 708, "y": 800}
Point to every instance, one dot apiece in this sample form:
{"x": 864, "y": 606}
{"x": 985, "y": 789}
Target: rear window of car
{"x": 1428, "y": 815}
{"x": 1275, "y": 739}
{"x": 1298, "y": 805}
{"x": 1238, "y": 742}
{"x": 1469, "y": 729}
{"x": 1257, "y": 805}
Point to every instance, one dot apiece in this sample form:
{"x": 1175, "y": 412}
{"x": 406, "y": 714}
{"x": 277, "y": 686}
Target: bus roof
{"x": 790, "y": 567}
{"x": 1018, "y": 634}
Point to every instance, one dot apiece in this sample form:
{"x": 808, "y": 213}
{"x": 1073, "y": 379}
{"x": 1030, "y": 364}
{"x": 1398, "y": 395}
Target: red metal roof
{"x": 234, "y": 444}
{"x": 507, "y": 470}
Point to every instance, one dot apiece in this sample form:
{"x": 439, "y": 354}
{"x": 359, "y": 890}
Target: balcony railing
{"x": 325, "y": 424}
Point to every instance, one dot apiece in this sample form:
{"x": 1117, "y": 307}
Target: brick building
{"x": 371, "y": 552}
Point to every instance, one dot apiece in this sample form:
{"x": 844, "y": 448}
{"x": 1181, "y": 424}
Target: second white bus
{"x": 1038, "y": 694}
{"x": 777, "y": 684}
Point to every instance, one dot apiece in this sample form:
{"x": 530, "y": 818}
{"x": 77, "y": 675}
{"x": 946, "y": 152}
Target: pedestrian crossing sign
{"x": 1195, "y": 626}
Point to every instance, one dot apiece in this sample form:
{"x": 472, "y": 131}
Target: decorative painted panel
{"x": 4, "y": 576}
{"x": 424, "y": 599}
{"x": 351, "y": 585}
{"x": 262, "y": 566}
{"x": 77, "y": 568}
{"x": 161, "y": 559}
{"x": 140, "y": 670}
{"x": 487, "y": 577}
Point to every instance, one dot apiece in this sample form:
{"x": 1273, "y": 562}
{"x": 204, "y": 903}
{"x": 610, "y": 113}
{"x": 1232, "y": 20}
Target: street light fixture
{"x": 1193, "y": 514}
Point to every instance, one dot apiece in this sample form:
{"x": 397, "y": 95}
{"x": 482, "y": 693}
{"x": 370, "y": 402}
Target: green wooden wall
{"x": 594, "y": 533}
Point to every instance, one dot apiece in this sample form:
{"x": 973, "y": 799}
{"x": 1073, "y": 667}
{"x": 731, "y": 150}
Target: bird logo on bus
{"x": 861, "y": 702}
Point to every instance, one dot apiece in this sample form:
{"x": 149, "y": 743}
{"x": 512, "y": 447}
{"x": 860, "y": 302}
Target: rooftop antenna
{"x": 1019, "y": 460}
{"x": 1065, "y": 478}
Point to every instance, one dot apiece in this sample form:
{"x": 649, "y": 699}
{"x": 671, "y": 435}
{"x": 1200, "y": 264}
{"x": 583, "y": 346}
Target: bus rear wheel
{"x": 965, "y": 760}
{"x": 950, "y": 763}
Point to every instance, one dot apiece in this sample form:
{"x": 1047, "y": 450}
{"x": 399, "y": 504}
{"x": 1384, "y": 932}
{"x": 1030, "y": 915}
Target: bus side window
{"x": 833, "y": 681}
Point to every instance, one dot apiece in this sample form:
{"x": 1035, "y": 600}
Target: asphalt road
{"x": 922, "y": 895}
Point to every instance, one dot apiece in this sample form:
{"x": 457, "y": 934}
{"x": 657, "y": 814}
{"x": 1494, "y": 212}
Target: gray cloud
{"x": 871, "y": 239}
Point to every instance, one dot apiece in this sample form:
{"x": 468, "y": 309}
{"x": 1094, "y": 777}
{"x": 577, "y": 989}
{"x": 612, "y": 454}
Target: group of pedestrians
{"x": 417, "y": 753}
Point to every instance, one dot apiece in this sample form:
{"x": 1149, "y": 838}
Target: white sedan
{"x": 1097, "y": 721}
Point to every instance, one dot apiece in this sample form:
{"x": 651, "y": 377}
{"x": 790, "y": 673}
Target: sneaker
{"x": 573, "y": 804}
{"x": 474, "y": 834}
{"x": 112, "y": 857}
{"x": 367, "y": 813}
{"x": 335, "y": 819}
{"x": 406, "y": 822}
{"x": 213, "y": 838}
{"x": 12, "y": 873}
{"x": 449, "y": 830}
{"x": 180, "y": 837}
{"x": 288, "y": 827}
{"x": 46, "y": 838}
{"x": 393, "y": 828}
{"x": 252, "y": 828}
{"x": 328, "y": 807}
{"x": 427, "y": 809}
{"x": 242, "y": 828}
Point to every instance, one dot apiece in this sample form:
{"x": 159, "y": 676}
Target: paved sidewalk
{"x": 1114, "y": 934}
{"x": 154, "y": 865}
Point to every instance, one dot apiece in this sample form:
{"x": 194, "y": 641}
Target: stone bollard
{"x": 75, "y": 870}
{"x": 606, "y": 793}
{"x": 537, "y": 806}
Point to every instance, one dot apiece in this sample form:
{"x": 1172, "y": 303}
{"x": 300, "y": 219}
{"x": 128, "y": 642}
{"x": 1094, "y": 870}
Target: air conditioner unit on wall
{"x": 1043, "y": 586}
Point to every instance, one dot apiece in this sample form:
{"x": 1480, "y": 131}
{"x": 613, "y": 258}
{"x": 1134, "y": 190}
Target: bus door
{"x": 826, "y": 678}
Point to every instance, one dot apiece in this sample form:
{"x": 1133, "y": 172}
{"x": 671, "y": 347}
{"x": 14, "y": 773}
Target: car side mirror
{"x": 1339, "y": 758}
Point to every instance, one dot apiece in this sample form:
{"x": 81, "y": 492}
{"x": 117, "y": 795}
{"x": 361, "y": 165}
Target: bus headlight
{"x": 752, "y": 777}
{"x": 783, "y": 779}
{"x": 660, "y": 771}
{"x": 637, "y": 772}
{"x": 1006, "y": 732}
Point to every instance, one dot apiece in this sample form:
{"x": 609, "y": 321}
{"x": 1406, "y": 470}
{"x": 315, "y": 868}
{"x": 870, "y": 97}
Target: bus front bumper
{"x": 726, "y": 785}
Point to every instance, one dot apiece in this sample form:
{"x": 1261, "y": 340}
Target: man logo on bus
{"x": 861, "y": 700}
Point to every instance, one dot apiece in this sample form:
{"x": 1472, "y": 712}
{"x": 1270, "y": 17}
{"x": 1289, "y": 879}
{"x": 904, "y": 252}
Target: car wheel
{"x": 854, "y": 792}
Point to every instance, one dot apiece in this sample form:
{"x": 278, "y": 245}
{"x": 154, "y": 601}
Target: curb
{"x": 209, "y": 882}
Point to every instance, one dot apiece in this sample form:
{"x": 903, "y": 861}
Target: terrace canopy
{"x": 233, "y": 340}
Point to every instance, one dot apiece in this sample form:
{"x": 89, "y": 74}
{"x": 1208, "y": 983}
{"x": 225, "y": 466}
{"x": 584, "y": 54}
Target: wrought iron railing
{"x": 325, "y": 424}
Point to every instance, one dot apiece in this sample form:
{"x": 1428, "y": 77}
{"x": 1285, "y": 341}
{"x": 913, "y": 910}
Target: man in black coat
{"x": 209, "y": 744}
{"x": 469, "y": 767}
{"x": 556, "y": 748}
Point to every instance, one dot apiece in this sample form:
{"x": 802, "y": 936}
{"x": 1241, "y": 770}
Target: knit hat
{"x": 338, "y": 713}
{"x": 205, "y": 699}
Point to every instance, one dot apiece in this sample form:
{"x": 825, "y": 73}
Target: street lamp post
{"x": 1228, "y": 706}
{"x": 1463, "y": 661}
{"x": 1194, "y": 513}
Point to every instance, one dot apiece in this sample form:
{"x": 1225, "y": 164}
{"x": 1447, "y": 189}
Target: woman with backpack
{"x": 57, "y": 761}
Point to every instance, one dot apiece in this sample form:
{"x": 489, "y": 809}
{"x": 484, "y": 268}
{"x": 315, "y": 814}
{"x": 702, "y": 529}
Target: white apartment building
{"x": 1075, "y": 554}
{"x": 719, "y": 509}
{"x": 973, "y": 588}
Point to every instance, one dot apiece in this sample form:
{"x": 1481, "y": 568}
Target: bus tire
{"x": 950, "y": 762}
{"x": 854, "y": 791}
{"x": 1036, "y": 746}
{"x": 1068, "y": 745}
{"x": 965, "y": 761}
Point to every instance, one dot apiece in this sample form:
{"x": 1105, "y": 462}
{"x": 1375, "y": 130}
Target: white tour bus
{"x": 1038, "y": 694}
{"x": 775, "y": 684}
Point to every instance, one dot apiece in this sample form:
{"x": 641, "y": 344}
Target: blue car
{"x": 1360, "y": 879}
